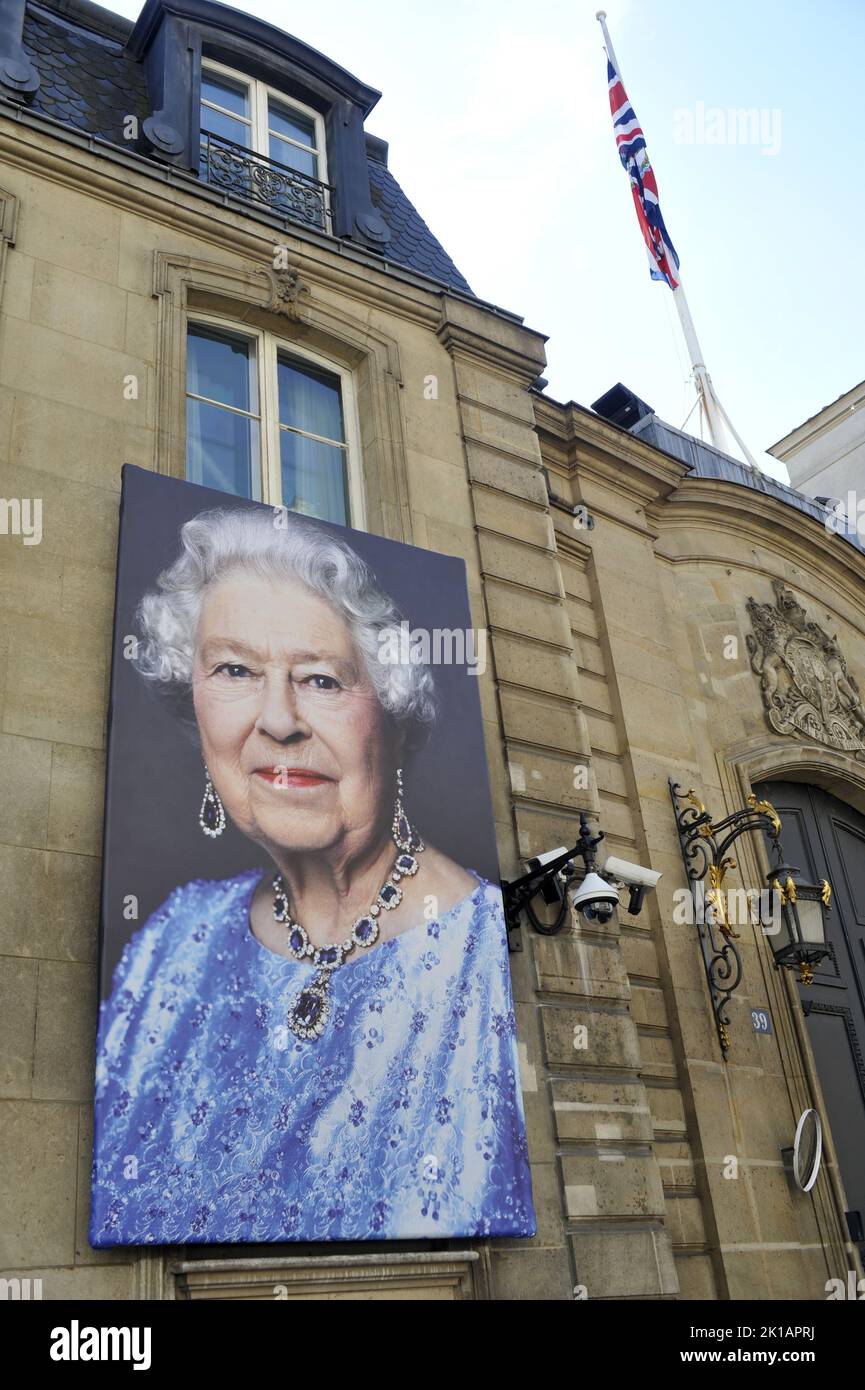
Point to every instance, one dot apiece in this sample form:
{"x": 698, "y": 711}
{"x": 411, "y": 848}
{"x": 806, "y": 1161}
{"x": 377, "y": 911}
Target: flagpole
{"x": 711, "y": 408}
{"x": 601, "y": 17}
{"x": 702, "y": 379}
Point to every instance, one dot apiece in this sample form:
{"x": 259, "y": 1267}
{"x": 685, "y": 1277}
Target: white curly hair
{"x": 277, "y": 544}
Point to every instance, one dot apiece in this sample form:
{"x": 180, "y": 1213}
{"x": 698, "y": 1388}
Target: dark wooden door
{"x": 825, "y": 838}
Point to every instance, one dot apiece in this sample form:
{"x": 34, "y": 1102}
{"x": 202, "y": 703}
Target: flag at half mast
{"x": 663, "y": 261}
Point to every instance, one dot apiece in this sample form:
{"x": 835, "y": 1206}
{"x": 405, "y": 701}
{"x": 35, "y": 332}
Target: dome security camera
{"x": 595, "y": 899}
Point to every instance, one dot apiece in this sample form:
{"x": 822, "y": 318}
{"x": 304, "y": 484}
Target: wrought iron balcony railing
{"x": 232, "y": 167}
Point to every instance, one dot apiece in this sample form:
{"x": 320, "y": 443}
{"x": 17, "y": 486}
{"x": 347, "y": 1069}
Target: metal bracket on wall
{"x": 704, "y": 849}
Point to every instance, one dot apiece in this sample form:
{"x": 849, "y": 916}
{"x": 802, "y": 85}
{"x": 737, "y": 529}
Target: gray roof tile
{"x": 90, "y": 82}
{"x": 412, "y": 243}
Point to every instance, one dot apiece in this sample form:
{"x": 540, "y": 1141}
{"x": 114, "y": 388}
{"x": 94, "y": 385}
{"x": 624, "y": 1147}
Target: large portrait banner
{"x": 306, "y": 1029}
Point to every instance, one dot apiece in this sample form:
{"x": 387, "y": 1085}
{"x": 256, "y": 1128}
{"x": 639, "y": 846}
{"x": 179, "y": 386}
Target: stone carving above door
{"x": 806, "y": 686}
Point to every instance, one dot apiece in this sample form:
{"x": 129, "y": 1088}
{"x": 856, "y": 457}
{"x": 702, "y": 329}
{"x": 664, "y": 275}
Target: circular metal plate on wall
{"x": 807, "y": 1150}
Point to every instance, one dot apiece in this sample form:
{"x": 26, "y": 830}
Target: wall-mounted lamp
{"x": 800, "y": 941}
{"x": 796, "y": 924}
{"x": 596, "y": 897}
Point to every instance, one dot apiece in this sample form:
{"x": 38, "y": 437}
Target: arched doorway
{"x": 825, "y": 838}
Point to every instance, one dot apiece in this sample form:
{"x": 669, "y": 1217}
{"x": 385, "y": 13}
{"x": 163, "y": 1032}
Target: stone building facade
{"x": 825, "y": 454}
{"x": 613, "y": 570}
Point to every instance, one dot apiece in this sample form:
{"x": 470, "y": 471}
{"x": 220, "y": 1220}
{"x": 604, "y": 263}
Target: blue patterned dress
{"x": 214, "y": 1123}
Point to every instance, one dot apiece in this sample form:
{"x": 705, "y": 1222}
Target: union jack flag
{"x": 663, "y": 261}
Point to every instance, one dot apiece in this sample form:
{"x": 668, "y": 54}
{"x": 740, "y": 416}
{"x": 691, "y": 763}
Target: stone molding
{"x": 285, "y": 303}
{"x": 472, "y": 332}
{"x": 167, "y": 197}
{"x": 591, "y": 449}
{"x": 8, "y": 227}
{"x": 428, "y": 1275}
{"x": 702, "y": 518}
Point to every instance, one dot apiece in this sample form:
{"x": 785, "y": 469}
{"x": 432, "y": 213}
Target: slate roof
{"x": 88, "y": 81}
{"x": 412, "y": 243}
{"x": 705, "y": 461}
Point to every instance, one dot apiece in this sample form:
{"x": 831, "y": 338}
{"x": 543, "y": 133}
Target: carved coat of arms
{"x": 807, "y": 688}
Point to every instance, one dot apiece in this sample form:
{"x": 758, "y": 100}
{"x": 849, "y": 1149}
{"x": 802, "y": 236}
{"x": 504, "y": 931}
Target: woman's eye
{"x": 320, "y": 682}
{"x": 232, "y": 669}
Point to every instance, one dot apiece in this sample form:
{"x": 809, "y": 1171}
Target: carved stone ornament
{"x": 807, "y": 689}
{"x": 286, "y": 289}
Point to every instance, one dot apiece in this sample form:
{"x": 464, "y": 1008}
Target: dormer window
{"x": 247, "y": 108}
{"x": 257, "y": 143}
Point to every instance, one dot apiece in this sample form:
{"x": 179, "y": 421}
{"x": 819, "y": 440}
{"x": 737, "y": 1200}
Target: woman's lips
{"x": 291, "y": 777}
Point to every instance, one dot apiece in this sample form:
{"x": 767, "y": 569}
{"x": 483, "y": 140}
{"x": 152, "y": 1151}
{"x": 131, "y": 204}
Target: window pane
{"x": 310, "y": 400}
{"x": 218, "y": 366}
{"x": 302, "y": 160}
{"x": 225, "y": 126}
{"x": 313, "y": 478}
{"x": 283, "y": 121}
{"x": 234, "y": 96}
{"x": 221, "y": 449}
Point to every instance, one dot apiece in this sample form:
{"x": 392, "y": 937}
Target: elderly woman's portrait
{"x": 307, "y": 1029}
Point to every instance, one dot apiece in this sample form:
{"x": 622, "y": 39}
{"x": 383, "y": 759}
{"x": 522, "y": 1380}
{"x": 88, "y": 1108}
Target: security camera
{"x": 632, "y": 874}
{"x": 550, "y": 889}
{"x": 541, "y": 859}
{"x": 595, "y": 899}
{"x": 640, "y": 881}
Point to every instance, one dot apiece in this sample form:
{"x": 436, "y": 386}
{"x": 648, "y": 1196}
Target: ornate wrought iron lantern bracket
{"x": 705, "y": 855}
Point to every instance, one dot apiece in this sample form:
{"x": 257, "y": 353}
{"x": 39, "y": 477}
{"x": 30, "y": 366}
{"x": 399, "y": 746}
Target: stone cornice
{"x": 599, "y": 452}
{"x": 677, "y": 499}
{"x": 819, "y": 424}
{"x": 134, "y": 184}
{"x": 708, "y": 507}
{"x": 567, "y": 543}
{"x": 492, "y": 337}
{"x": 554, "y": 418}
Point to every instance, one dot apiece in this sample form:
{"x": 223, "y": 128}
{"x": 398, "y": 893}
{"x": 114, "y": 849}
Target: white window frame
{"x": 267, "y": 347}
{"x": 258, "y": 122}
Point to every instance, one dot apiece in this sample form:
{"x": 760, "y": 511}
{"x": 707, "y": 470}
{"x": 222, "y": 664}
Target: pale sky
{"x": 498, "y": 122}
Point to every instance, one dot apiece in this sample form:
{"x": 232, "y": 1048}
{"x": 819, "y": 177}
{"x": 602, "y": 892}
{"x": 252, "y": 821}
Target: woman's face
{"x": 291, "y": 729}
